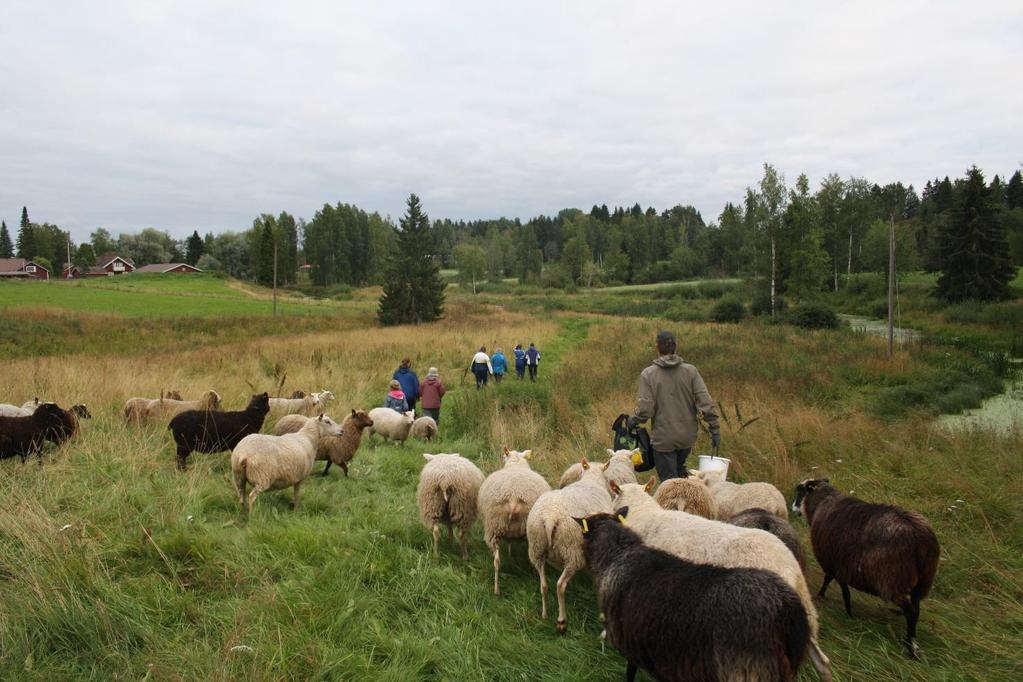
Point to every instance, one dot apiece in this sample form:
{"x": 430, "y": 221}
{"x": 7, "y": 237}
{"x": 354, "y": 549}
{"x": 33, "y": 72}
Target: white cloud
{"x": 202, "y": 115}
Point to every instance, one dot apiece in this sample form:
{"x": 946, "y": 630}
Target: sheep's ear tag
{"x": 586, "y": 527}
{"x": 621, "y": 519}
{"x": 637, "y": 458}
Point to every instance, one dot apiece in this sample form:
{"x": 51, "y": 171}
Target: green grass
{"x": 115, "y": 566}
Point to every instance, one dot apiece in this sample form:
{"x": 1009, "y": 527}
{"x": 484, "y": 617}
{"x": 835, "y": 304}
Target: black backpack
{"x": 636, "y": 439}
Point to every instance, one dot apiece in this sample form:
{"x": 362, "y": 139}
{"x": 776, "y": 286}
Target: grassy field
{"x": 115, "y": 566}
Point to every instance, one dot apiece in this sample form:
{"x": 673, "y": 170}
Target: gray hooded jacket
{"x": 671, "y": 393}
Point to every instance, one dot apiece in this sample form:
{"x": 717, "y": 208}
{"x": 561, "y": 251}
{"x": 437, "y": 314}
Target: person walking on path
{"x": 481, "y": 367}
{"x": 396, "y": 398}
{"x": 409, "y": 382}
{"x": 431, "y": 392}
{"x": 671, "y": 392}
{"x": 520, "y": 361}
{"x": 500, "y": 365}
{"x": 532, "y": 361}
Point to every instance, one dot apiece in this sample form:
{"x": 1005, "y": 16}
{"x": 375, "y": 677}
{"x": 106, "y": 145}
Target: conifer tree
{"x": 413, "y": 288}
{"x": 194, "y": 248}
{"x": 6, "y": 246}
{"x": 1014, "y": 191}
{"x": 265, "y": 255}
{"x": 26, "y": 237}
{"x": 974, "y": 251}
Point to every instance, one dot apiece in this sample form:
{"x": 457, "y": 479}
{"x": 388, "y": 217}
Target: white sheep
{"x": 275, "y": 462}
{"x": 618, "y": 468}
{"x": 689, "y": 495}
{"x": 8, "y": 410}
{"x": 166, "y": 408}
{"x": 555, "y": 537}
{"x": 704, "y": 541}
{"x": 448, "y": 487}
{"x": 504, "y": 501}
{"x": 391, "y": 425}
{"x": 309, "y": 405}
{"x": 733, "y": 498}
{"x": 424, "y": 428}
{"x": 335, "y": 450}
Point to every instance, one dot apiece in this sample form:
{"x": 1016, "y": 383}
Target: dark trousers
{"x": 432, "y": 412}
{"x": 411, "y": 403}
{"x": 520, "y": 370}
{"x": 671, "y": 464}
{"x": 480, "y": 372}
{"x": 532, "y": 372}
{"x": 498, "y": 377}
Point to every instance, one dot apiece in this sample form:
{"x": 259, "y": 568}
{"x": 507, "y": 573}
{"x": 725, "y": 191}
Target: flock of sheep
{"x": 702, "y": 580}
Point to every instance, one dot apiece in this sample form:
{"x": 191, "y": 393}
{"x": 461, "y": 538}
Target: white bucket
{"x": 712, "y": 463}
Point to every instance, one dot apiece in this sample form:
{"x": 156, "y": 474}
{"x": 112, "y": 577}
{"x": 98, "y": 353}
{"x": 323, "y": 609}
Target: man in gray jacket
{"x": 671, "y": 392}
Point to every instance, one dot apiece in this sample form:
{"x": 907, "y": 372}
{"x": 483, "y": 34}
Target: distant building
{"x": 110, "y": 264}
{"x": 23, "y": 269}
{"x": 169, "y": 267}
{"x": 70, "y": 271}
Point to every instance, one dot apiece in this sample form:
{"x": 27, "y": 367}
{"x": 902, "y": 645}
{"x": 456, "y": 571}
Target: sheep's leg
{"x": 566, "y": 577}
{"x": 240, "y": 483}
{"x": 463, "y": 540}
{"x": 294, "y": 499}
{"x": 541, "y": 568}
{"x": 344, "y": 467}
{"x": 326, "y": 468}
{"x": 252, "y": 497}
{"x": 846, "y": 598}
{"x": 824, "y": 588}
{"x": 911, "y": 609}
{"x": 496, "y": 548}
{"x": 436, "y": 539}
{"x": 821, "y": 663}
{"x": 630, "y": 672}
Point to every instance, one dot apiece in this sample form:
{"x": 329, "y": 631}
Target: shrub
{"x": 728, "y": 309}
{"x": 761, "y": 304}
{"x": 813, "y": 316}
{"x": 711, "y": 289}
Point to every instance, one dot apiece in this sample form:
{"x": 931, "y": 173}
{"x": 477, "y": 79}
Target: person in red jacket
{"x": 431, "y": 392}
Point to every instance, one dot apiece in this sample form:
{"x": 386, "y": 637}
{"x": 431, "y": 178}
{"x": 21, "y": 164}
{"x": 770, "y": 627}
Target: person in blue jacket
{"x": 409, "y": 382}
{"x": 520, "y": 361}
{"x": 500, "y": 365}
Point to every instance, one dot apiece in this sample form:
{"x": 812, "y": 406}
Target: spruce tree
{"x": 193, "y": 248}
{"x": 1014, "y": 191}
{"x": 6, "y": 246}
{"x": 973, "y": 249}
{"x": 265, "y": 255}
{"x": 413, "y": 289}
{"x": 26, "y": 237}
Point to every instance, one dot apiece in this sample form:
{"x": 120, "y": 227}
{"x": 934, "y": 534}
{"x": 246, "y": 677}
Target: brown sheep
{"x": 338, "y": 450}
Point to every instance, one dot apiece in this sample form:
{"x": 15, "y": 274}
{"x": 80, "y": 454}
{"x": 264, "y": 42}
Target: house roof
{"x": 108, "y": 258}
{"x": 13, "y": 267}
{"x": 164, "y": 267}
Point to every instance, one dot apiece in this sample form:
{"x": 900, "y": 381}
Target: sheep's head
{"x": 210, "y": 400}
{"x": 360, "y": 419}
{"x": 328, "y": 427}
{"x": 514, "y": 458}
{"x": 408, "y": 417}
{"x": 804, "y": 490}
{"x": 711, "y": 478}
{"x": 81, "y": 411}
{"x": 174, "y": 395}
{"x": 298, "y": 394}
{"x": 323, "y": 397}
{"x": 260, "y": 402}
{"x": 631, "y": 493}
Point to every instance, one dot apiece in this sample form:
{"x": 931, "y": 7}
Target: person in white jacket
{"x": 481, "y": 367}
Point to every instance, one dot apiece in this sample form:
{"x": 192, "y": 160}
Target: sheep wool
{"x": 8, "y": 410}
{"x": 505, "y": 500}
{"x": 424, "y": 428}
{"x": 688, "y": 494}
{"x": 449, "y": 485}
{"x": 556, "y": 538}
{"x": 618, "y": 468}
{"x": 391, "y": 425}
{"x": 338, "y": 450}
{"x": 275, "y": 462}
{"x": 307, "y": 405}
{"x": 164, "y": 408}
{"x": 732, "y": 498}
{"x": 135, "y": 409}
{"x": 704, "y": 541}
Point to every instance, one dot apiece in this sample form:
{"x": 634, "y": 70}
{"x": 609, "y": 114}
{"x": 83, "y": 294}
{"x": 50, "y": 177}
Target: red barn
{"x": 70, "y": 271}
{"x": 169, "y": 267}
{"x": 111, "y": 264}
{"x": 22, "y": 268}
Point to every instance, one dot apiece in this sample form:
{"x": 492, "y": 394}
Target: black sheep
{"x": 879, "y": 549}
{"x": 24, "y": 436}
{"x": 680, "y": 620}
{"x": 214, "y": 431}
{"x": 776, "y": 526}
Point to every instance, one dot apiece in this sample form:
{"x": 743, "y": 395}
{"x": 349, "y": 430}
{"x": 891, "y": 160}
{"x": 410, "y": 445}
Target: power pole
{"x": 69, "y": 259}
{"x": 891, "y": 286}
{"x": 275, "y": 279}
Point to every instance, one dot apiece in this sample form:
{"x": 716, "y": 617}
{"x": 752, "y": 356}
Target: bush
{"x": 761, "y": 304}
{"x": 555, "y": 277}
{"x": 813, "y": 316}
{"x": 711, "y": 289}
{"x": 728, "y": 309}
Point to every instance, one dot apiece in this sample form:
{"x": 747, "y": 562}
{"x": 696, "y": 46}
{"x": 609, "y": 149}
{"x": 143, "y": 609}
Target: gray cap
{"x": 665, "y": 337}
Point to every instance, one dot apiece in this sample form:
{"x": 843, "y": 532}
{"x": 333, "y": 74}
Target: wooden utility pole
{"x": 69, "y": 259}
{"x": 891, "y": 287}
{"x": 275, "y": 280}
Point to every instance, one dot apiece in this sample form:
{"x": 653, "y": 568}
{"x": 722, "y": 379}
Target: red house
{"x": 70, "y": 271}
{"x": 169, "y": 267}
{"x": 22, "y": 268}
{"x": 111, "y": 264}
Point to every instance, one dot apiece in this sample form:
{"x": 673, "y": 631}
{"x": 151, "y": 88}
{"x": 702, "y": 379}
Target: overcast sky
{"x": 201, "y": 115}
